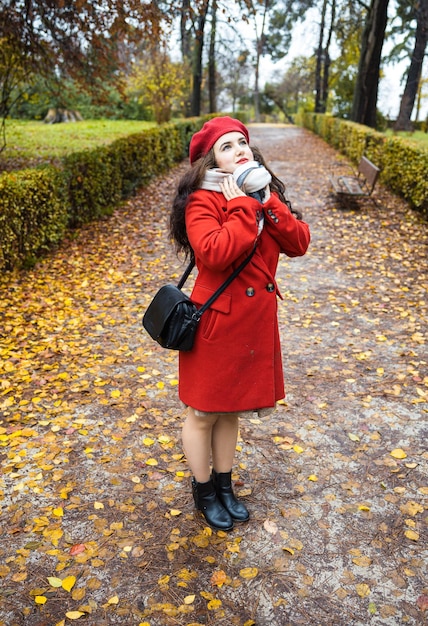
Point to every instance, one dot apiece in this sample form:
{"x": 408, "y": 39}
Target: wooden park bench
{"x": 357, "y": 184}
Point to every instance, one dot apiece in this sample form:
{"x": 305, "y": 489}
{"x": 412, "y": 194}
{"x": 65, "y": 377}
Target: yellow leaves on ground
{"x": 40, "y": 599}
{"x": 214, "y": 604}
{"x": 412, "y": 535}
{"x": 66, "y": 583}
{"x": 249, "y": 572}
{"x": 353, "y": 437}
{"x": 411, "y": 508}
{"x": 362, "y": 561}
{"x": 113, "y": 600}
{"x": 218, "y": 578}
{"x": 73, "y": 615}
{"x": 398, "y": 453}
{"x": 363, "y": 590}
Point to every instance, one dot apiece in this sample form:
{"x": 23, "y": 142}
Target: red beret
{"x": 202, "y": 141}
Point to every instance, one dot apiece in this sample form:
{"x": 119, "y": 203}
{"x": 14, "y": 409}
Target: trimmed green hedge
{"x": 37, "y": 206}
{"x": 33, "y": 215}
{"x": 404, "y": 166}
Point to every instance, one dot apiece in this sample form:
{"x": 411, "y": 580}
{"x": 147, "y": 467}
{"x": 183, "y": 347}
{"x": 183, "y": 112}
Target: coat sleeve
{"x": 291, "y": 234}
{"x": 220, "y": 231}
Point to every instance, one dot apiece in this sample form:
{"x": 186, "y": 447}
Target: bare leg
{"x": 224, "y": 438}
{"x": 197, "y": 439}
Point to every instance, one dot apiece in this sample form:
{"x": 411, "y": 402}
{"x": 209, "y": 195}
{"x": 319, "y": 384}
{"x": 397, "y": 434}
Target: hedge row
{"x": 404, "y": 166}
{"x": 37, "y": 206}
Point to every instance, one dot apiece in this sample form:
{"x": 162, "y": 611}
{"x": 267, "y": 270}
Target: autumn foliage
{"x": 98, "y": 525}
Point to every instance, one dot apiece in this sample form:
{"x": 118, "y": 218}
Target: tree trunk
{"x": 327, "y": 59}
{"x": 319, "y": 61}
{"x": 260, "y": 39}
{"x": 366, "y": 89}
{"x": 212, "y": 73}
{"x": 415, "y": 70}
{"x": 186, "y": 49}
{"x": 197, "y": 60}
{"x": 184, "y": 31}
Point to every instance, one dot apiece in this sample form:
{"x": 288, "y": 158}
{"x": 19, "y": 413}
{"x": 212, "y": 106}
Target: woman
{"x": 235, "y": 366}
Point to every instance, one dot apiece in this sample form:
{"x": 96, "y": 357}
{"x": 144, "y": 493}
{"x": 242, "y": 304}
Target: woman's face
{"x": 232, "y": 150}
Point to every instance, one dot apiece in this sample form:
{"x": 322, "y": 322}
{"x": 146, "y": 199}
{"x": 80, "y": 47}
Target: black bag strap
{"x": 222, "y": 287}
{"x": 186, "y": 274}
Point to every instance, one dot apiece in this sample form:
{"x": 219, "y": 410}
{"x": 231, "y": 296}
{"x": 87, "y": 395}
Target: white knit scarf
{"x": 250, "y": 177}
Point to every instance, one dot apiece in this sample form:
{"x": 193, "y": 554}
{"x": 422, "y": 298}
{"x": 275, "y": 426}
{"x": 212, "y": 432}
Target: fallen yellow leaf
{"x": 249, "y": 572}
{"x": 54, "y": 581}
{"x": 398, "y": 453}
{"x": 298, "y": 449}
{"x": 113, "y": 600}
{"x": 68, "y": 583}
{"x": 74, "y": 614}
{"x": 411, "y": 508}
{"x": 40, "y": 599}
{"x": 362, "y": 561}
{"x": 218, "y": 578}
{"x": 412, "y": 534}
{"x": 363, "y": 590}
{"x": 175, "y": 512}
{"x": 213, "y": 605}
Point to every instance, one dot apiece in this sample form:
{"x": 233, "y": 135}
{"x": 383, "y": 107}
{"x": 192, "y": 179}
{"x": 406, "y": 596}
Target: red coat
{"x": 236, "y": 363}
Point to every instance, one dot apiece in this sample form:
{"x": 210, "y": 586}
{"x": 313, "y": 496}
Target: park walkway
{"x": 97, "y": 524}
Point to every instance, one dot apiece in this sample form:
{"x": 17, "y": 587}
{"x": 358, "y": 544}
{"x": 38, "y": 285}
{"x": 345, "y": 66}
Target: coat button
{"x": 250, "y": 292}
{"x": 270, "y": 287}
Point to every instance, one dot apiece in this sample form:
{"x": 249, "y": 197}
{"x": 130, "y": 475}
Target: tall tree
{"x": 198, "y": 47}
{"x": 193, "y": 18}
{"x": 212, "y": 65}
{"x": 273, "y": 21}
{"x": 364, "y": 106}
{"x": 420, "y": 12}
{"x": 78, "y": 40}
{"x": 323, "y": 57}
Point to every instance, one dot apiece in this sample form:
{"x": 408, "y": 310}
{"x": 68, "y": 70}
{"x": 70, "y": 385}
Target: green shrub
{"x": 403, "y": 164}
{"x": 93, "y": 185}
{"x": 33, "y": 215}
{"x": 36, "y": 206}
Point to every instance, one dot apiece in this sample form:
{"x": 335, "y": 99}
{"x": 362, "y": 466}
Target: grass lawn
{"x": 418, "y": 137}
{"x": 46, "y": 142}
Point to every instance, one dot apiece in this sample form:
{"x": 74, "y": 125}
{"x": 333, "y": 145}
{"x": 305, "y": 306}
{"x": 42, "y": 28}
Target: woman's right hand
{"x": 230, "y": 189}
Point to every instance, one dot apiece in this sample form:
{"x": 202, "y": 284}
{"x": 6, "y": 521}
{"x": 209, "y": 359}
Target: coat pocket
{"x": 222, "y": 304}
{"x": 212, "y": 316}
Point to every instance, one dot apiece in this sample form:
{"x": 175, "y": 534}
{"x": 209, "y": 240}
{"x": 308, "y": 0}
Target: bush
{"x": 403, "y": 165}
{"x": 36, "y": 206}
{"x": 33, "y": 215}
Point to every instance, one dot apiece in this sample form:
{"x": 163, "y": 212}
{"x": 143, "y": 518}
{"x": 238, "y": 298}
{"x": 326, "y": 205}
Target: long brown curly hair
{"x": 192, "y": 180}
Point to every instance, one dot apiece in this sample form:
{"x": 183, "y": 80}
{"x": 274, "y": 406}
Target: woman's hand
{"x": 230, "y": 189}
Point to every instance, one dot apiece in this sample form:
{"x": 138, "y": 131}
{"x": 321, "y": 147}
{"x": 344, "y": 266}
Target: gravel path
{"x": 94, "y": 487}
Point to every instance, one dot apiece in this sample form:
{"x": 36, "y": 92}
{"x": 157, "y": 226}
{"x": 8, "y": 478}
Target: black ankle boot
{"x": 208, "y": 503}
{"x": 223, "y": 486}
